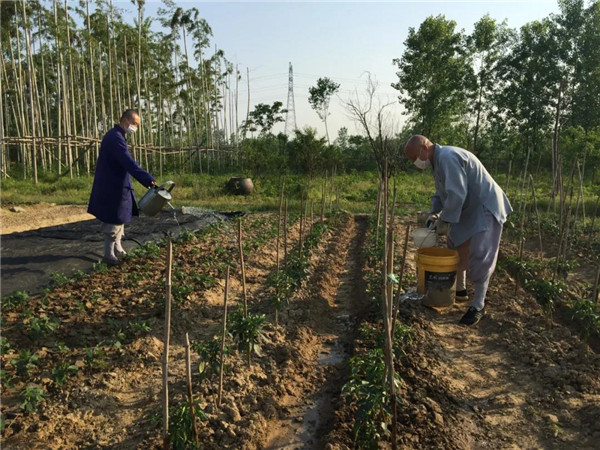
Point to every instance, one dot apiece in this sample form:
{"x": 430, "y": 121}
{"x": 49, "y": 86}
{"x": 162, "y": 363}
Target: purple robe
{"x": 113, "y": 199}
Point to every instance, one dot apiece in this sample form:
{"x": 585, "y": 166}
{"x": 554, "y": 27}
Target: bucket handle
{"x": 170, "y": 184}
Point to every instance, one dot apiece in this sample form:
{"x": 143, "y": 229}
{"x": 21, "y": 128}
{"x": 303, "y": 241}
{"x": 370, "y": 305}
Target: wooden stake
{"x": 241, "y": 246}
{"x": 167, "y": 336}
{"x": 400, "y": 279}
{"x": 311, "y": 215}
{"x": 537, "y": 214}
{"x": 301, "y": 226}
{"x": 188, "y": 367}
{"x": 323, "y": 198}
{"x": 279, "y": 223}
{"x": 223, "y": 335}
{"x": 595, "y": 296}
{"x": 285, "y": 227}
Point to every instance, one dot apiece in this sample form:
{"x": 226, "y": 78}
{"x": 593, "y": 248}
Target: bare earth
{"x": 41, "y": 215}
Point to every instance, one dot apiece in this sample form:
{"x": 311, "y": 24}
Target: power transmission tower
{"x": 290, "y": 116}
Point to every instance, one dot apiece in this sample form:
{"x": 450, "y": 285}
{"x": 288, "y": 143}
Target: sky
{"x": 340, "y": 40}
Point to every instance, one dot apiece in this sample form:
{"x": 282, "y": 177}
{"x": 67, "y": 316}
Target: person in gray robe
{"x": 469, "y": 207}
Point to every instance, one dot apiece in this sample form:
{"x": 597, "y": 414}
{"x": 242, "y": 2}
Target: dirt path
{"x": 331, "y": 309}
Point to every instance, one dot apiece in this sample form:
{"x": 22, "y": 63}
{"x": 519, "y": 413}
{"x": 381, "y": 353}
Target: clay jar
{"x": 240, "y": 185}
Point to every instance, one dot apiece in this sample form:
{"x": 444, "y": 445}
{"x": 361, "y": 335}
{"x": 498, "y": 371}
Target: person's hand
{"x": 431, "y": 220}
{"x": 442, "y": 228}
{"x": 152, "y": 183}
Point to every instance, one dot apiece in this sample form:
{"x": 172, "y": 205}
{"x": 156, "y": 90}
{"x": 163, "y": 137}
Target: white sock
{"x": 118, "y": 247}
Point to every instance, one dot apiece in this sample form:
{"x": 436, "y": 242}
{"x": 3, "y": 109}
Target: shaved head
{"x": 417, "y": 144}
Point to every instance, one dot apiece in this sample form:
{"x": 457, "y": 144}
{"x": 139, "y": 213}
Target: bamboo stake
{"x": 311, "y": 215}
{"x": 595, "y": 296}
{"x": 167, "y": 336}
{"x": 400, "y": 279}
{"x": 223, "y": 335}
{"x": 279, "y": 223}
{"x": 389, "y": 319}
{"x": 537, "y": 214}
{"x": 188, "y": 367}
{"x": 241, "y": 246}
{"x": 301, "y": 226}
{"x": 323, "y": 198}
{"x": 378, "y": 211}
{"x": 285, "y": 232}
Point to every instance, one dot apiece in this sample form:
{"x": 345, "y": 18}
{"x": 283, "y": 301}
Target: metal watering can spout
{"x": 156, "y": 198}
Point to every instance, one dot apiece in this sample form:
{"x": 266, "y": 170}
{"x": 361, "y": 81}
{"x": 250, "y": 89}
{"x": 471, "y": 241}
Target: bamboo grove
{"x": 69, "y": 69}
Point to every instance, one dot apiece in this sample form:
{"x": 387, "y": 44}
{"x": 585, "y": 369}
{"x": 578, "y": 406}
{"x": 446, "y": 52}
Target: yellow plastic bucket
{"x": 436, "y": 273}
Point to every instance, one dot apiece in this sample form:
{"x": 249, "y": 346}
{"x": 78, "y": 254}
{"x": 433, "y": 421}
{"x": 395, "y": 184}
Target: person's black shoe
{"x": 472, "y": 317}
{"x": 461, "y": 296}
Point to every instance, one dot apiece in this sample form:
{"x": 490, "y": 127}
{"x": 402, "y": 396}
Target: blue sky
{"x": 339, "y": 40}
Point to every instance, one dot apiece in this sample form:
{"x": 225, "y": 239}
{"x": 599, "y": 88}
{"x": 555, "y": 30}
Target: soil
{"x": 510, "y": 382}
{"x": 40, "y": 215}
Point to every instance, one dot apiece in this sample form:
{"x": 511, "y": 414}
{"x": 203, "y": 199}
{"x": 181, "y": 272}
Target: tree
{"x": 306, "y": 151}
{"x": 434, "y": 75}
{"x": 320, "y": 96}
{"x": 264, "y": 118}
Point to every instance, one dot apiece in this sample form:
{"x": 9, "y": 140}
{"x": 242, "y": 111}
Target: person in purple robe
{"x": 112, "y": 200}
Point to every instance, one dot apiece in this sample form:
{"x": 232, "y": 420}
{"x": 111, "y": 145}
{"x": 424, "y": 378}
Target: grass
{"x": 358, "y": 191}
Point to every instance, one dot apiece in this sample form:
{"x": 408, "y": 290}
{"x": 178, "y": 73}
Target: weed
{"x": 181, "y": 431}
{"x": 14, "y": 300}
{"x": 62, "y": 371}
{"x": 31, "y": 398}
{"x": 25, "y": 362}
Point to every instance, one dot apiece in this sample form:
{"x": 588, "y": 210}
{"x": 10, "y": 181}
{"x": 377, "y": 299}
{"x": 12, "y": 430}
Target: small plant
{"x": 366, "y": 391}
{"x": 546, "y": 293}
{"x": 140, "y": 326}
{"x": 185, "y": 236}
{"x": 248, "y": 331}
{"x": 203, "y": 280}
{"x": 283, "y": 286}
{"x": 134, "y": 277}
{"x": 210, "y": 354}
{"x": 25, "y": 362}
{"x": 95, "y": 357}
{"x": 586, "y": 313}
{"x": 62, "y": 371}
{"x": 180, "y": 292}
{"x": 31, "y": 398}
{"x": 148, "y": 251}
{"x": 42, "y": 326}
{"x": 4, "y": 346}
{"x": 14, "y": 300}
{"x": 59, "y": 279}
{"x": 100, "y": 267}
{"x": 181, "y": 431}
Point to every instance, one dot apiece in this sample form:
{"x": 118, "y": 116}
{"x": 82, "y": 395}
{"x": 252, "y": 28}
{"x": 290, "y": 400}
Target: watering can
{"x": 156, "y": 198}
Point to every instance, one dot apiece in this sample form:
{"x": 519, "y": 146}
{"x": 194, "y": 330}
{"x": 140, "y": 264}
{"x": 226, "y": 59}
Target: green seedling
{"x": 134, "y": 277}
{"x": 210, "y": 357}
{"x": 365, "y": 390}
{"x": 140, "y": 326}
{"x": 25, "y": 362}
{"x": 59, "y": 279}
{"x": 203, "y": 280}
{"x": 99, "y": 267}
{"x": 185, "y": 236}
{"x": 148, "y": 251}
{"x": 181, "y": 430}
{"x": 587, "y": 314}
{"x": 4, "y": 346}
{"x": 63, "y": 371}
{"x": 14, "y": 300}
{"x": 248, "y": 332}
{"x": 62, "y": 348}
{"x": 180, "y": 292}
{"x": 40, "y": 327}
{"x": 95, "y": 357}
{"x": 5, "y": 379}
{"x": 31, "y": 398}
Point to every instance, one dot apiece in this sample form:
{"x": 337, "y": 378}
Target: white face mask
{"x": 422, "y": 164}
{"x": 131, "y": 129}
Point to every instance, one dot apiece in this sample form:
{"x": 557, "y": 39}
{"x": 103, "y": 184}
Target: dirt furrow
{"x": 328, "y": 310}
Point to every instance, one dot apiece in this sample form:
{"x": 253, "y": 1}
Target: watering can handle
{"x": 169, "y": 184}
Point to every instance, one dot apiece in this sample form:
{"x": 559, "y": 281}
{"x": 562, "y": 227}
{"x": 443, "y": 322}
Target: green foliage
{"x": 185, "y": 236}
{"x": 181, "y": 431}
{"x": 14, "y": 300}
{"x": 283, "y": 285}
{"x": 140, "y": 326}
{"x": 210, "y": 356}
{"x": 59, "y": 279}
{"x": 31, "y": 398}
{"x": 62, "y": 371}
{"x": 147, "y": 251}
{"x": 367, "y": 391}
{"x": 587, "y": 315}
{"x": 248, "y": 331}
{"x": 95, "y": 358}
{"x": 26, "y": 362}
{"x": 41, "y": 327}
{"x": 4, "y": 346}
{"x": 180, "y": 292}
{"x": 263, "y": 118}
